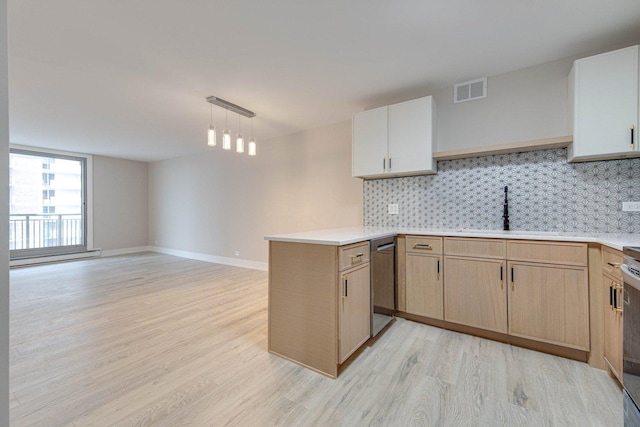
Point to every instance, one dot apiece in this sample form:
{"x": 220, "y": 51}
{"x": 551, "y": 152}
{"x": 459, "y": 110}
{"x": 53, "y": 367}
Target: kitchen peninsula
{"x": 319, "y": 291}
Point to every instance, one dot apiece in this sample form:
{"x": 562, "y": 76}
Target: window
{"x": 47, "y": 194}
{"x": 48, "y": 208}
{"x": 47, "y": 178}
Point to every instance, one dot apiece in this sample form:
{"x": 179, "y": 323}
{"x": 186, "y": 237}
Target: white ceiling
{"x": 129, "y": 78}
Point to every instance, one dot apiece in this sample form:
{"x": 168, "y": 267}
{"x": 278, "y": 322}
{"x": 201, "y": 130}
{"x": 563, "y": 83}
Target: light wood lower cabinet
{"x": 613, "y": 314}
{"x": 549, "y": 303}
{"x": 613, "y": 326}
{"x": 531, "y": 290}
{"x": 475, "y": 293}
{"x": 355, "y": 310}
{"x": 424, "y": 292}
{"x": 319, "y": 303}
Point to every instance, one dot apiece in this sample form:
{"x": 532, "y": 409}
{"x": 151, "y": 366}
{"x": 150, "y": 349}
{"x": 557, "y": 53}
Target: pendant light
{"x": 211, "y": 135}
{"x": 239, "y": 140}
{"x": 226, "y": 138}
{"x": 252, "y": 141}
{"x": 226, "y": 135}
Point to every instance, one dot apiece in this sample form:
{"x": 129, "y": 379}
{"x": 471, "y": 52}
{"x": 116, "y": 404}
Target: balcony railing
{"x": 34, "y": 231}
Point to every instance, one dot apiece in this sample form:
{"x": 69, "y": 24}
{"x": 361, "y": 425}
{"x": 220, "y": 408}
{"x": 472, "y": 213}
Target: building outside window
{"x": 47, "y": 204}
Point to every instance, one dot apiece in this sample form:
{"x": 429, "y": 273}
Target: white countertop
{"x": 336, "y": 236}
{"x": 347, "y": 235}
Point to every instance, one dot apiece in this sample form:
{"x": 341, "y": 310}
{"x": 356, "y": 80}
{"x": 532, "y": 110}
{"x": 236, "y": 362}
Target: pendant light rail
{"x": 230, "y": 106}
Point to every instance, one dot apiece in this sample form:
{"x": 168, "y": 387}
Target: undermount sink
{"x": 536, "y": 233}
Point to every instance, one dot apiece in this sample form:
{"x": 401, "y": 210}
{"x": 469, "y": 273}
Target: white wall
{"x": 4, "y": 219}
{"x": 219, "y": 202}
{"x": 521, "y": 105}
{"x": 120, "y": 203}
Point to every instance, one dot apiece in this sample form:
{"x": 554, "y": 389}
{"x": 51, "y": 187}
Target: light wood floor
{"x": 151, "y": 339}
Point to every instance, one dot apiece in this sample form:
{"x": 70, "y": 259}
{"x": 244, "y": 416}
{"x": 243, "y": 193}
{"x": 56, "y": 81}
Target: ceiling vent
{"x": 468, "y": 91}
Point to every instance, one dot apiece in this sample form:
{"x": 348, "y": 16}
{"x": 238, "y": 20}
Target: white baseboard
{"x": 254, "y": 265}
{"x": 125, "y": 251}
{"x": 55, "y": 258}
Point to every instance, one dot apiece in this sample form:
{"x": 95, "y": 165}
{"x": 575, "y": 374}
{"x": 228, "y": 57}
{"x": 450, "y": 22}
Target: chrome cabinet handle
{"x": 357, "y": 258}
{"x": 615, "y": 301}
{"x": 614, "y": 265}
{"x": 422, "y": 246}
{"x": 632, "y": 141}
{"x": 616, "y": 288}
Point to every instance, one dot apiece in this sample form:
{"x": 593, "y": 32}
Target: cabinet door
{"x": 475, "y": 293}
{"x": 549, "y": 303}
{"x": 411, "y": 136}
{"x": 355, "y": 310}
{"x": 425, "y": 295}
{"x": 605, "y": 103}
{"x": 613, "y": 326}
{"x": 369, "y": 142}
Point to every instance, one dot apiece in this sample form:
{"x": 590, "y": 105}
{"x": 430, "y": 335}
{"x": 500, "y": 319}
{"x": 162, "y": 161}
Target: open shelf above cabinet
{"x": 513, "y": 147}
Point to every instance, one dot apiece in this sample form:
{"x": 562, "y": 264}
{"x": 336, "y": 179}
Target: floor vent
{"x": 468, "y": 91}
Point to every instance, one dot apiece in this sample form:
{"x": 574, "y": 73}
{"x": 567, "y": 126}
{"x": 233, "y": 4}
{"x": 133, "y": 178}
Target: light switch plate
{"x": 393, "y": 209}
{"x": 631, "y": 206}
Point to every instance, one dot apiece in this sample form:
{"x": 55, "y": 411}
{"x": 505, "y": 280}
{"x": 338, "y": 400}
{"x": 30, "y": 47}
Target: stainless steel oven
{"x": 631, "y": 335}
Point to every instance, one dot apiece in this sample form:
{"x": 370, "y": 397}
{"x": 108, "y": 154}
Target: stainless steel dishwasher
{"x": 383, "y": 283}
{"x": 631, "y": 333}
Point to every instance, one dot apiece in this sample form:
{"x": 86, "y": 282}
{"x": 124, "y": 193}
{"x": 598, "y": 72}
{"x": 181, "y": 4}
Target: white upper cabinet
{"x": 604, "y": 110}
{"x": 411, "y": 136}
{"x": 396, "y": 140}
{"x": 369, "y": 142}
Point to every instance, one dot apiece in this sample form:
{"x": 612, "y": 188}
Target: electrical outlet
{"x": 631, "y": 206}
{"x": 237, "y": 253}
{"x": 393, "y": 209}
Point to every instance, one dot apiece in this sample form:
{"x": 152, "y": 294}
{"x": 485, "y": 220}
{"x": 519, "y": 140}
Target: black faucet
{"x": 505, "y": 214}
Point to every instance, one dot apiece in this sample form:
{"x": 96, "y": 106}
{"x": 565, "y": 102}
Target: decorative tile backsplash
{"x": 545, "y": 194}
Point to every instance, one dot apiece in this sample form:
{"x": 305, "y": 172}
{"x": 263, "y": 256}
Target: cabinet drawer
{"x": 474, "y": 247}
{"x": 424, "y": 244}
{"x": 353, "y": 255}
{"x": 565, "y": 253}
{"x": 611, "y": 261}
